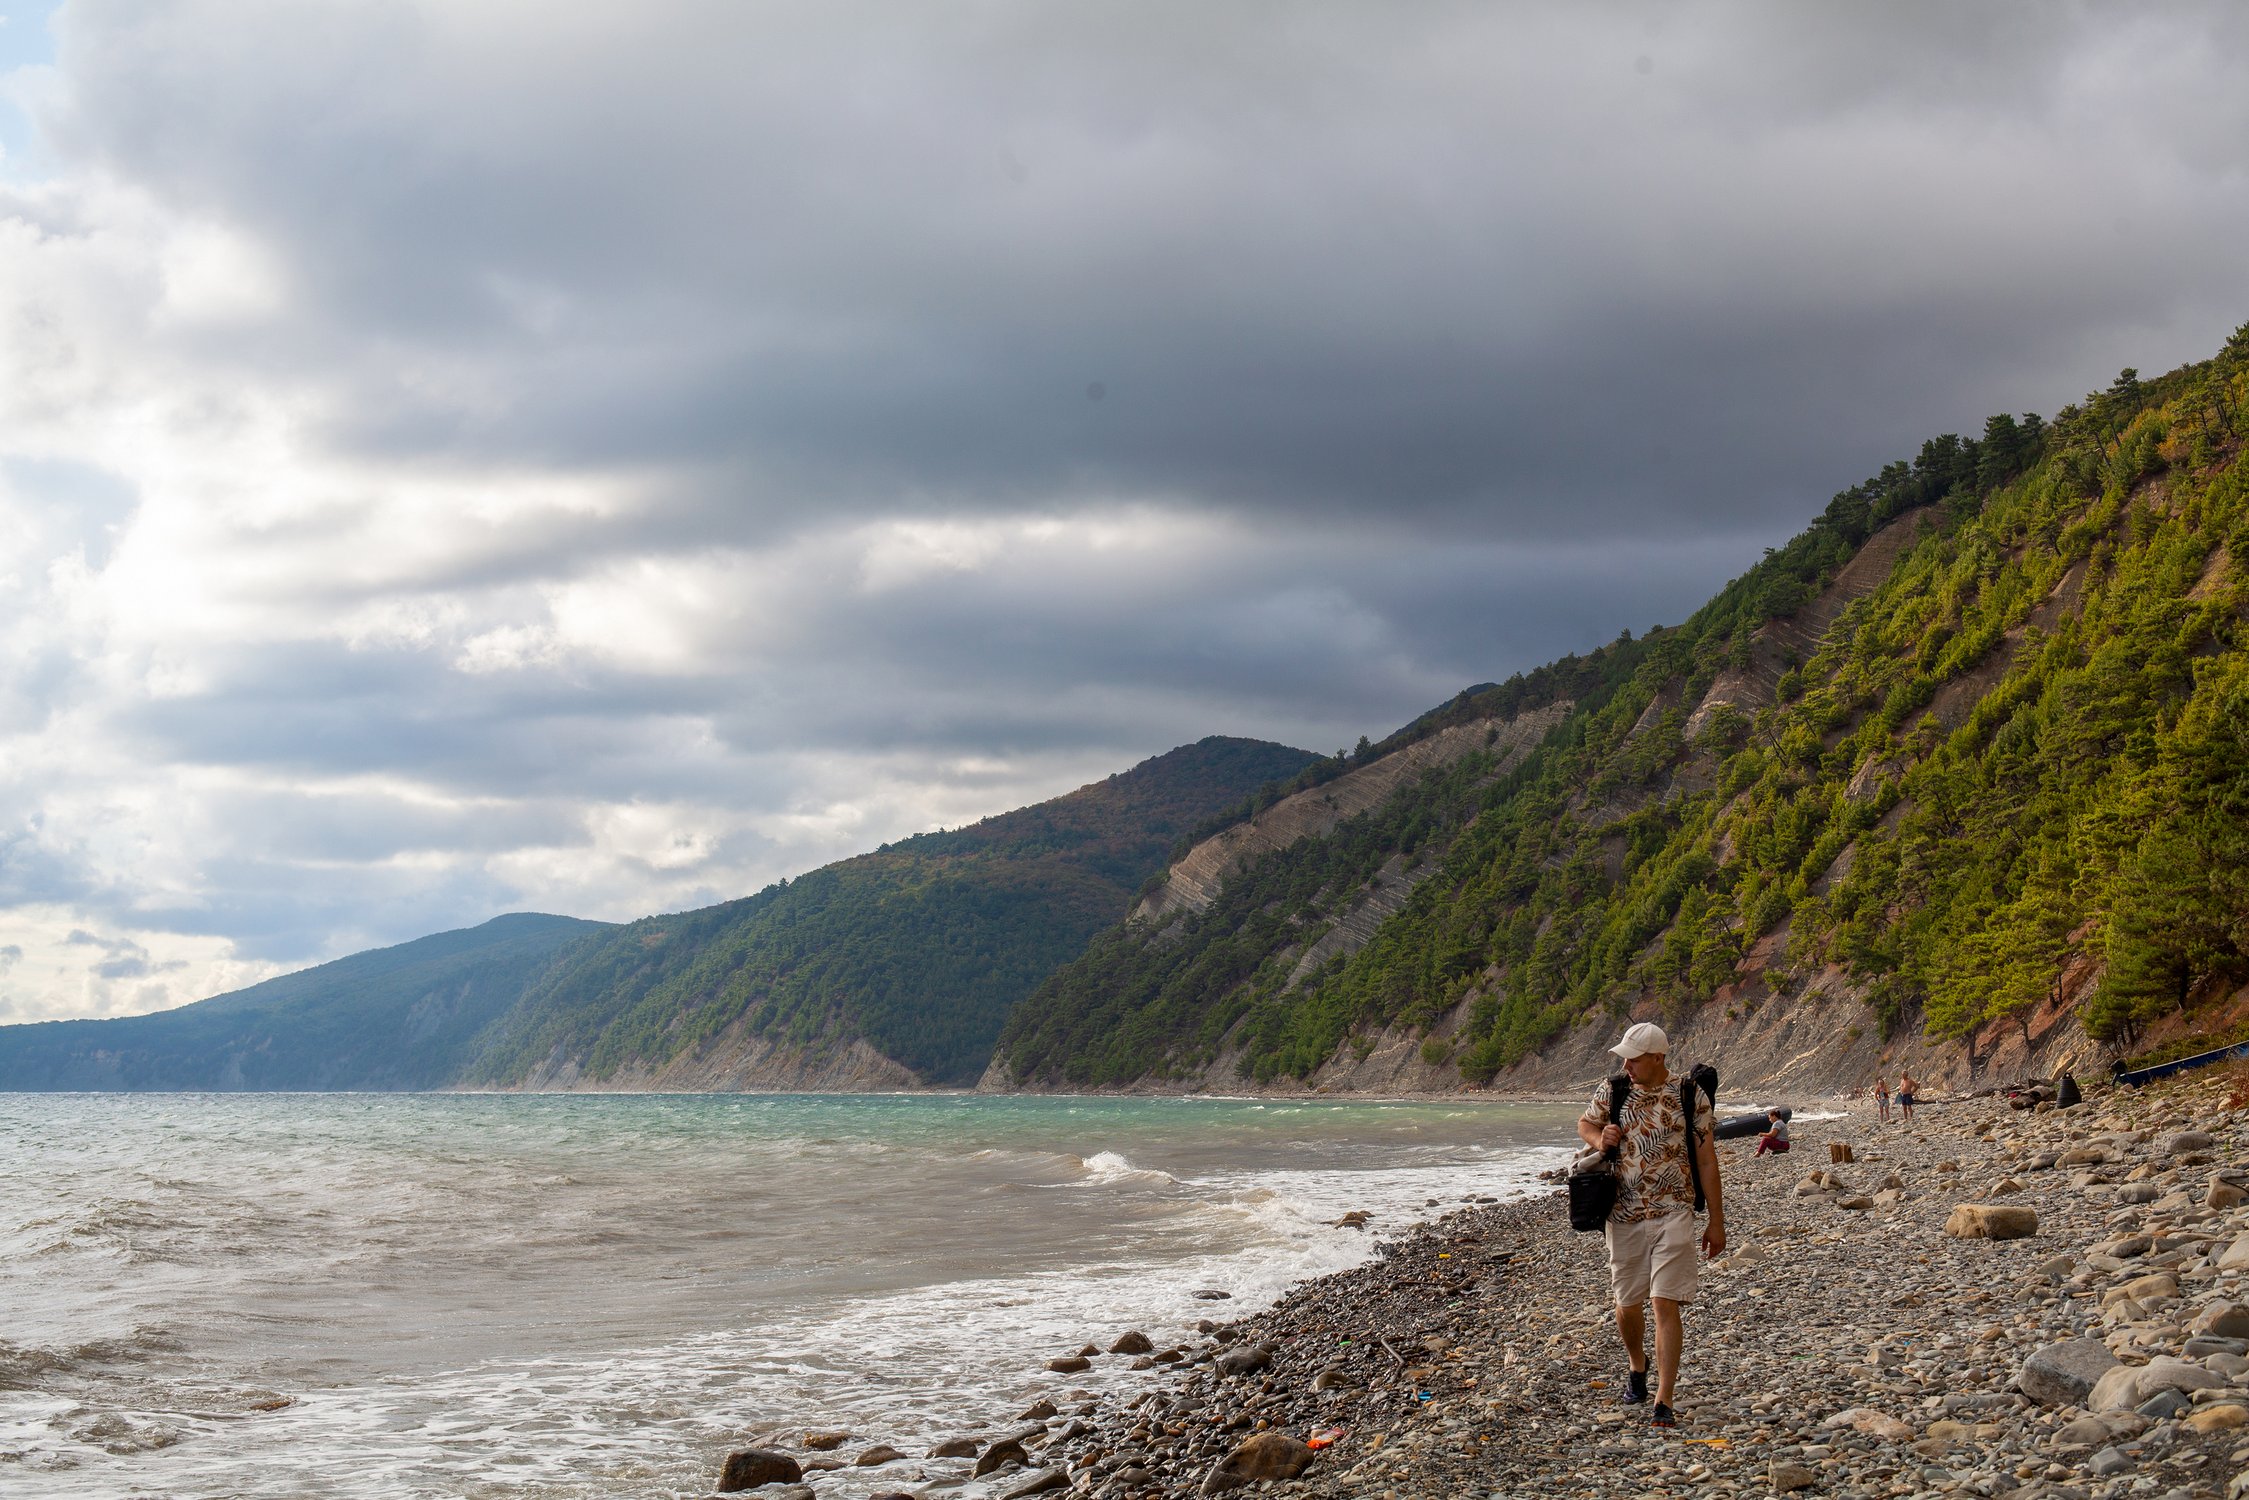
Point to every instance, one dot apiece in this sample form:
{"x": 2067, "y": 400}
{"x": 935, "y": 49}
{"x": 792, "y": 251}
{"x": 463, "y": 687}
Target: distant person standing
{"x": 1651, "y": 1232}
{"x": 1882, "y": 1098}
{"x": 1906, "y": 1086}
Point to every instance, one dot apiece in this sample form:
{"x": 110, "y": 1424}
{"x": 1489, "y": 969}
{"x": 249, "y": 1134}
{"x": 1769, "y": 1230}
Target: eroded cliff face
{"x": 1825, "y": 1043}
{"x": 1193, "y": 883}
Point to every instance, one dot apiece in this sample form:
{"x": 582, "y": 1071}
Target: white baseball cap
{"x": 1641, "y": 1038}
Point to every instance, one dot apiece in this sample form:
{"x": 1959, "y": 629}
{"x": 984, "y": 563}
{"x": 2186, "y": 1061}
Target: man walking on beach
{"x": 1651, "y": 1232}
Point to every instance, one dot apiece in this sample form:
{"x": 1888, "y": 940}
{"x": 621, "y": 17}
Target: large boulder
{"x": 748, "y": 1468}
{"x": 1991, "y": 1221}
{"x": 2127, "y": 1386}
{"x": 2064, "y": 1374}
{"x": 2226, "y": 1320}
{"x": 1267, "y": 1455}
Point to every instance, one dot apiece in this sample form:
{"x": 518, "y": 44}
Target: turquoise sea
{"x": 578, "y": 1296}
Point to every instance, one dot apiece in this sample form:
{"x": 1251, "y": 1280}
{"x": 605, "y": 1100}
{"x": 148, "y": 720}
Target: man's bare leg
{"x": 1668, "y": 1339}
{"x": 1633, "y": 1325}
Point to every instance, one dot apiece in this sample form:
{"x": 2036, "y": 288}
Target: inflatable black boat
{"x": 1734, "y": 1128}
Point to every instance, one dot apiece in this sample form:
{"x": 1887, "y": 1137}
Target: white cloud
{"x": 463, "y": 457}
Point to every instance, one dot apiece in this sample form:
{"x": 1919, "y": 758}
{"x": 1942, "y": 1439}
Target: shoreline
{"x": 1844, "y": 1344}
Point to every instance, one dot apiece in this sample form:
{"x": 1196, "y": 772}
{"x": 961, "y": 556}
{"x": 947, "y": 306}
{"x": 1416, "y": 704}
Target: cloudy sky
{"x": 461, "y": 456}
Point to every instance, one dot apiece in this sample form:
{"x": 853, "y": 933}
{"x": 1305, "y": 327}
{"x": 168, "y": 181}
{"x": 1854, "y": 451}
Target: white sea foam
{"x": 1110, "y": 1166}
{"x": 578, "y": 1298}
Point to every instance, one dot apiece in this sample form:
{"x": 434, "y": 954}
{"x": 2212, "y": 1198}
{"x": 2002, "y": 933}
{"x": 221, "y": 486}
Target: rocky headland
{"x": 2044, "y": 1304}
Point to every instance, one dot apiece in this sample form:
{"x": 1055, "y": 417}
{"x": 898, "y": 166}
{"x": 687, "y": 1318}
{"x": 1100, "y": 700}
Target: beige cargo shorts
{"x": 1654, "y": 1257}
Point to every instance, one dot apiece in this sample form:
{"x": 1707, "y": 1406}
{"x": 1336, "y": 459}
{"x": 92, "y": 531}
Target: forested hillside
{"x": 919, "y": 949}
{"x": 1977, "y": 742}
{"x": 394, "y": 1018}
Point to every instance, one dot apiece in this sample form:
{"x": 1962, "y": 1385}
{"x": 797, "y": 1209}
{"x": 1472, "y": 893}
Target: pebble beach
{"x": 2046, "y": 1304}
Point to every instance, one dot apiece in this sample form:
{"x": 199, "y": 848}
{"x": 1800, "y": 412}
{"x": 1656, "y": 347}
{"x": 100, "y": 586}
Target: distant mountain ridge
{"x": 891, "y": 969}
{"x": 405, "y": 1017}
{"x": 918, "y": 950}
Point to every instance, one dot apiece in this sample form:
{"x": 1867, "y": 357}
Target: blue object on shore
{"x": 1738, "y": 1126}
{"x": 2139, "y": 1076}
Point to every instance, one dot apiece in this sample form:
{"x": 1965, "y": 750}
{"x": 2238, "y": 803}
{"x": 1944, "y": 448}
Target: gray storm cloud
{"x": 462, "y": 456}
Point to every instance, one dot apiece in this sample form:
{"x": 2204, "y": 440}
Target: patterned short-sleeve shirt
{"x": 1652, "y": 1177}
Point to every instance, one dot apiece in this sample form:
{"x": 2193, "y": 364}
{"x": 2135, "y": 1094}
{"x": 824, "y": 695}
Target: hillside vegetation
{"x": 921, "y": 948}
{"x": 1977, "y": 739}
{"x": 394, "y": 1018}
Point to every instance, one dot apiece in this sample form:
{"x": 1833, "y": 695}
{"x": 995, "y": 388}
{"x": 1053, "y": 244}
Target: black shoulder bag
{"x": 1593, "y": 1186}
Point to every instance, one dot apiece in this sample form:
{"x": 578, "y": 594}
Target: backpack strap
{"x": 1694, "y": 1163}
{"x": 1620, "y": 1089}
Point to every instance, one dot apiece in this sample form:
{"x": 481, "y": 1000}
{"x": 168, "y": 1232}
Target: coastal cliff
{"x": 1953, "y": 779}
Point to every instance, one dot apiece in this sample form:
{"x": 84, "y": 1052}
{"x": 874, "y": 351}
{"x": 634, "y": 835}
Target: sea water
{"x": 391, "y": 1295}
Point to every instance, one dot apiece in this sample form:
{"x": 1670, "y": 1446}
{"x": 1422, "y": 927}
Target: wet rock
{"x": 1038, "y": 1411}
{"x": 1002, "y": 1453}
{"x": 1247, "y": 1360}
{"x": 1069, "y": 1364}
{"x": 2064, "y": 1374}
{"x": 1213, "y": 1294}
{"x": 1039, "y": 1483}
{"x": 823, "y": 1442}
{"x": 877, "y": 1456}
{"x": 1991, "y": 1221}
{"x": 1090, "y": 1351}
{"x": 1134, "y": 1342}
{"x": 1265, "y": 1455}
{"x": 956, "y": 1447}
{"x": 747, "y": 1468}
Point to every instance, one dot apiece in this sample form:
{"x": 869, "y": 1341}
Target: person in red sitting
{"x": 1775, "y": 1138}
